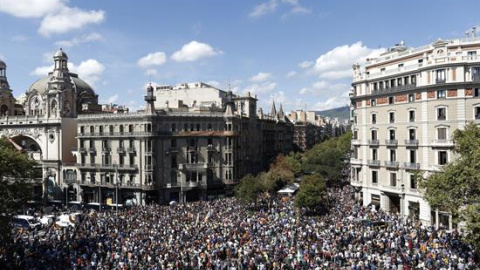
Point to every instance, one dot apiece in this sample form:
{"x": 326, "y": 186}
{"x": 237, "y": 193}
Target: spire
{"x": 3, "y": 76}
{"x": 273, "y": 112}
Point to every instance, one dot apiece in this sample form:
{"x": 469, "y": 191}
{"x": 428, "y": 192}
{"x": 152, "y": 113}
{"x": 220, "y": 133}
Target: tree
{"x": 456, "y": 187}
{"x": 311, "y": 194}
{"x": 249, "y": 188}
{"x": 15, "y": 169}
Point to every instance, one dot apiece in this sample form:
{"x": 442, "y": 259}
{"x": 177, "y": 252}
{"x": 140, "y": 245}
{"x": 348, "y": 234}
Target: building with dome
{"x": 191, "y": 142}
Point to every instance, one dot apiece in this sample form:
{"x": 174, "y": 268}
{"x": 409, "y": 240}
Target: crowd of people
{"x": 226, "y": 234}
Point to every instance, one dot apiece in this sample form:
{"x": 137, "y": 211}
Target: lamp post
{"x": 402, "y": 206}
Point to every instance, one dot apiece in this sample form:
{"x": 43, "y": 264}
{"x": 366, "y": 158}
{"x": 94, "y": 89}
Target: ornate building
{"x": 192, "y": 141}
{"x": 406, "y": 104}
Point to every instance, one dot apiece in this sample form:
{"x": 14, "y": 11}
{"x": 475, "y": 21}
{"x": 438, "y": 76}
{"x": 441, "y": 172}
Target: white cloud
{"x": 291, "y": 74}
{"x": 261, "y": 88}
{"x": 30, "y": 8}
{"x": 89, "y": 70}
{"x": 264, "y": 8}
{"x": 152, "y": 59}
{"x": 214, "y": 83}
{"x": 322, "y": 88}
{"x": 260, "y": 77}
{"x": 333, "y": 102}
{"x": 68, "y": 19}
{"x": 337, "y": 63}
{"x": 79, "y": 40}
{"x": 56, "y": 16}
{"x": 193, "y": 51}
{"x": 305, "y": 64}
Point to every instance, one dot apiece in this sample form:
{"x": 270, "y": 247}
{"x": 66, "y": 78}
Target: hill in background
{"x": 341, "y": 113}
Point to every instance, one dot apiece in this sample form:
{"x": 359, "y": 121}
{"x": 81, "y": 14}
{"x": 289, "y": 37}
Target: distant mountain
{"x": 341, "y": 113}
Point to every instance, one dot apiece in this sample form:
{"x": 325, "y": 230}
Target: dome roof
{"x": 79, "y": 85}
{"x": 2, "y": 64}
{"x": 60, "y": 53}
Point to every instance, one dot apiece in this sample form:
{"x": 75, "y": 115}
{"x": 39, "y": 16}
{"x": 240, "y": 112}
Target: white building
{"x": 405, "y": 106}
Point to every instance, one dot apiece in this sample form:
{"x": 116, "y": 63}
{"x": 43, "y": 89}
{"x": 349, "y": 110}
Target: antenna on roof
{"x": 474, "y": 31}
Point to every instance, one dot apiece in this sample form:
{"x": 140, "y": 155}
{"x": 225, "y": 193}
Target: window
{"x": 413, "y": 156}
{"x": 173, "y": 161}
{"x": 476, "y": 92}
{"x": 173, "y": 143}
{"x": 374, "y": 118}
{"x": 392, "y": 134}
{"x": 399, "y": 81}
{"x": 390, "y": 100}
{"x": 442, "y": 157}
{"x": 476, "y": 73}
{"x": 209, "y": 126}
{"x": 100, "y": 129}
{"x": 392, "y": 117}
{"x": 477, "y": 112}
{"x": 209, "y": 141}
{"x": 355, "y": 135}
{"x": 440, "y": 75}
{"x": 442, "y": 133}
{"x": 411, "y": 98}
{"x": 174, "y": 127}
{"x": 373, "y": 102}
{"x": 393, "y": 155}
{"x": 393, "y": 179}
{"x": 411, "y": 116}
{"x": 413, "y": 182}
{"x": 374, "y": 134}
{"x": 413, "y": 79}
{"x": 441, "y": 113}
{"x": 374, "y": 177}
{"x": 374, "y": 154}
{"x": 380, "y": 85}
{"x": 441, "y": 94}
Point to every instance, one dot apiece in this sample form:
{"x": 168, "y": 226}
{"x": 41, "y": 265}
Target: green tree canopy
{"x": 311, "y": 194}
{"x": 249, "y": 188}
{"x": 15, "y": 170}
{"x": 456, "y": 187}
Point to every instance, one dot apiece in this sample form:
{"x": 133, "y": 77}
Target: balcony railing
{"x": 373, "y": 142}
{"x": 411, "y": 166}
{"x": 355, "y": 161}
{"x": 211, "y": 148}
{"x": 121, "y": 150}
{"x": 411, "y": 143}
{"x": 131, "y": 150}
{"x": 106, "y": 149}
{"x": 92, "y": 150}
{"x": 373, "y": 162}
{"x": 443, "y": 143}
{"x": 82, "y": 149}
{"x": 193, "y": 166}
{"x": 391, "y": 142}
{"x": 393, "y": 189}
{"x": 355, "y": 142}
{"x": 192, "y": 148}
{"x": 440, "y": 80}
{"x": 391, "y": 164}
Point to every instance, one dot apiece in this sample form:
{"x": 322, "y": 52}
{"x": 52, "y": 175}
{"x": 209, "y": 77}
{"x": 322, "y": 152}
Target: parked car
{"x": 26, "y": 222}
{"x": 66, "y": 220}
{"x": 46, "y": 220}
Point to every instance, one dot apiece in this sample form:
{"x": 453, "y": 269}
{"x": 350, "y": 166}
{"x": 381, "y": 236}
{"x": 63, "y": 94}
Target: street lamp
{"x": 402, "y": 207}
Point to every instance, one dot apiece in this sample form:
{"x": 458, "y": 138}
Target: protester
{"x": 226, "y": 234}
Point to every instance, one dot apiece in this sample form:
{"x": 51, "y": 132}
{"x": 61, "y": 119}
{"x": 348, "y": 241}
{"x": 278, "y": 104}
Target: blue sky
{"x": 298, "y": 52}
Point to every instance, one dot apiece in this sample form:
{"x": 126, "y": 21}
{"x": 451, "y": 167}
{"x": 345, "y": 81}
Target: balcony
{"x": 106, "y": 149}
{"x": 391, "y": 143}
{"x": 443, "y": 143}
{"x": 131, "y": 150}
{"x": 438, "y": 80}
{"x": 127, "y": 167}
{"x": 391, "y": 164}
{"x": 373, "y": 162}
{"x": 355, "y": 142}
{"x": 392, "y": 189}
{"x": 92, "y": 150}
{"x": 82, "y": 150}
{"x": 355, "y": 161}
{"x": 411, "y": 143}
{"x": 120, "y": 150}
{"x": 148, "y": 167}
{"x": 398, "y": 88}
{"x": 373, "y": 142}
{"x": 193, "y": 166}
{"x": 411, "y": 166}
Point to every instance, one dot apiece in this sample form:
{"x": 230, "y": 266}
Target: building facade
{"x": 191, "y": 142}
{"x": 309, "y": 129}
{"x": 405, "y": 105}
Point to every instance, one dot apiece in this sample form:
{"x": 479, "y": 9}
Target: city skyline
{"x": 298, "y": 52}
